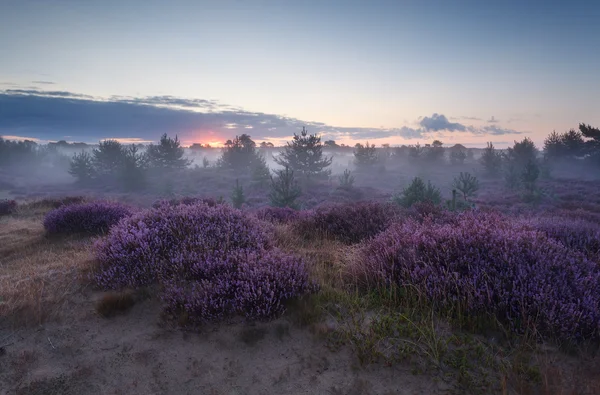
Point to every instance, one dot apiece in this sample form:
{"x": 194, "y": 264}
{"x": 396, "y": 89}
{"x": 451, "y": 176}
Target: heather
{"x": 484, "y": 264}
{"x": 93, "y": 218}
{"x": 211, "y": 261}
{"x": 278, "y": 215}
{"x": 348, "y": 223}
{"x": 576, "y": 234}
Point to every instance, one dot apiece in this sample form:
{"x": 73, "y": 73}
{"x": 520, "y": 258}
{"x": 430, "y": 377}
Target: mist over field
{"x": 299, "y": 197}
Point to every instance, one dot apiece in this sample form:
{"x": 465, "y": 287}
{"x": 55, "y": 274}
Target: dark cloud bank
{"x": 52, "y": 115}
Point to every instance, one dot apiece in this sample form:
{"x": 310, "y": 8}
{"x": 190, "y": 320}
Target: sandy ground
{"x": 136, "y": 353}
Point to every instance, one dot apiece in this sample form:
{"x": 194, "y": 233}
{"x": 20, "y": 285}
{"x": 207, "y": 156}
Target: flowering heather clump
{"x": 255, "y": 284}
{"x": 170, "y": 240}
{"x": 576, "y": 234}
{"x": 212, "y": 261}
{"x": 188, "y": 201}
{"x": 95, "y": 217}
{"x": 7, "y": 206}
{"x": 280, "y": 215}
{"x": 485, "y": 263}
{"x": 348, "y": 223}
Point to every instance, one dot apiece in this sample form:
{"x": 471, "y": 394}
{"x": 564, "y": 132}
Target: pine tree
{"x": 168, "y": 154}
{"x": 237, "y": 196}
{"x": 239, "y": 154}
{"x": 304, "y": 155}
{"x": 491, "y": 160}
{"x": 82, "y": 167}
{"x": 284, "y": 189}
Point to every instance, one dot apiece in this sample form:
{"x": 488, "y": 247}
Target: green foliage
{"x": 237, "y": 196}
{"x": 522, "y": 153}
{"x": 418, "y": 192}
{"x": 346, "y": 180}
{"x": 133, "y": 168}
{"x": 467, "y": 184}
{"x": 491, "y": 160}
{"x": 168, "y": 154}
{"x": 365, "y": 155}
{"x": 304, "y": 155}
{"x": 530, "y": 175}
{"x": 284, "y": 189}
{"x": 109, "y": 157}
{"x": 260, "y": 171}
{"x": 240, "y": 154}
{"x": 435, "y": 152}
{"x": 512, "y": 177}
{"x": 82, "y": 167}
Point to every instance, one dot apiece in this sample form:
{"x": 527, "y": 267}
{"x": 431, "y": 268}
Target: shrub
{"x": 281, "y": 215}
{"x": 457, "y": 156}
{"x": 174, "y": 240}
{"x": 168, "y": 154}
{"x": 7, "y": 206}
{"x": 576, "y": 234}
{"x": 210, "y": 261}
{"x": 484, "y": 263}
{"x": 417, "y": 191}
{"x": 95, "y": 217}
{"x": 348, "y": 223}
{"x": 253, "y": 284}
{"x": 188, "y": 201}
{"x": 466, "y": 184}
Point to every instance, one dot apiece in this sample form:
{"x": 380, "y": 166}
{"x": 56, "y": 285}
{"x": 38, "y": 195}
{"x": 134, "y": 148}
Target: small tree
{"x": 522, "y": 153}
{"x": 284, "y": 189}
{"x": 466, "y": 184}
{"x": 435, "y": 153}
{"x": 205, "y": 162}
{"x": 108, "y": 158}
{"x": 304, "y": 155}
{"x": 365, "y": 155}
{"x": 491, "y": 160}
{"x": 239, "y": 154}
{"x": 237, "y": 196}
{"x": 133, "y": 169}
{"x": 529, "y": 176}
{"x": 346, "y": 180}
{"x": 168, "y": 154}
{"x": 417, "y": 192}
{"x": 512, "y": 178}
{"x": 457, "y": 156}
{"x": 260, "y": 171}
{"x": 82, "y": 167}
{"x": 416, "y": 152}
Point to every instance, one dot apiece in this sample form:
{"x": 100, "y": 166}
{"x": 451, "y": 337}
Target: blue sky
{"x": 385, "y": 71}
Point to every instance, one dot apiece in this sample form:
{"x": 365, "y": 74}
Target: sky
{"x": 397, "y": 72}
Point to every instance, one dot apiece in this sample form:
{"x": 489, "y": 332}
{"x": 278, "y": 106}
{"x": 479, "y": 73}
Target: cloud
{"x": 496, "y": 131}
{"x": 439, "y": 122}
{"x": 43, "y": 82}
{"x": 467, "y": 118}
{"x": 492, "y": 120}
{"x": 51, "y": 115}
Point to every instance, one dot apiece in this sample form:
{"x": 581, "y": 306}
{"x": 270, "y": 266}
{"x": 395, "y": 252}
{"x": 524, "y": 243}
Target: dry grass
{"x": 113, "y": 303}
{"x": 37, "y": 274}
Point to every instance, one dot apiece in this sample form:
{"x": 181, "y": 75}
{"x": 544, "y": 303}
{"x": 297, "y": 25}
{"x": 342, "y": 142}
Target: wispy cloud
{"x": 50, "y": 115}
{"x": 43, "y": 82}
